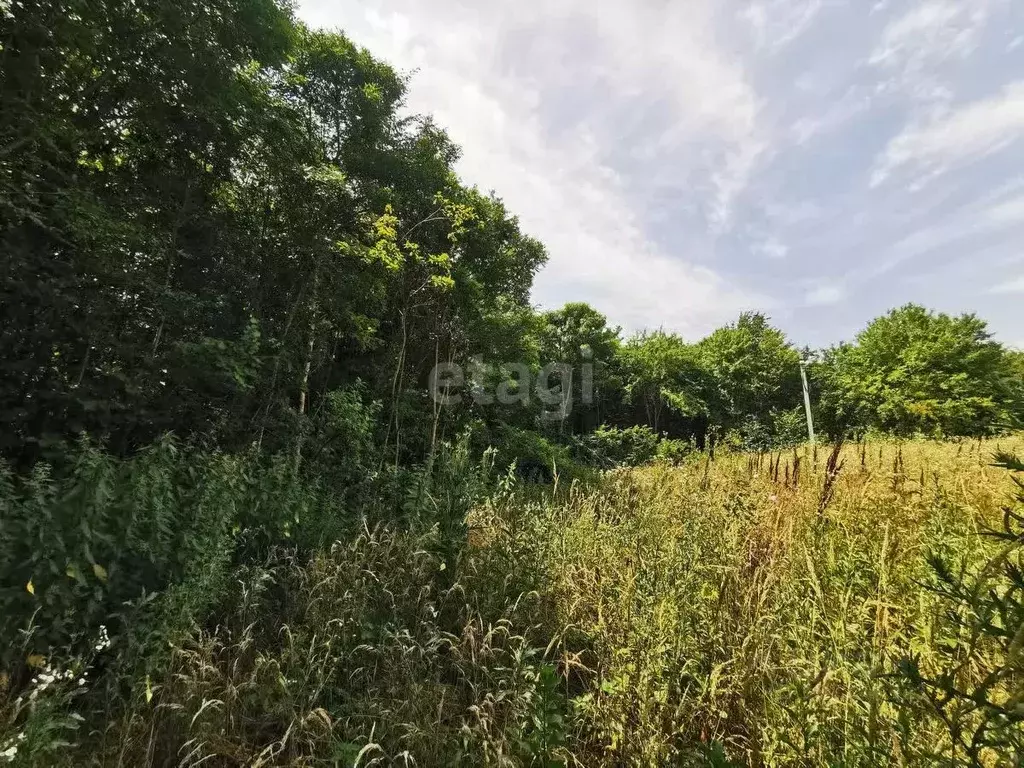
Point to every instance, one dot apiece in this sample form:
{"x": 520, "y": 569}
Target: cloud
{"x": 776, "y": 23}
{"x": 1013, "y": 286}
{"x": 853, "y": 103}
{"x": 973, "y": 131}
{"x": 1007, "y": 213}
{"x": 824, "y": 295}
{"x": 932, "y": 32}
{"x": 969, "y": 230}
{"x": 772, "y": 248}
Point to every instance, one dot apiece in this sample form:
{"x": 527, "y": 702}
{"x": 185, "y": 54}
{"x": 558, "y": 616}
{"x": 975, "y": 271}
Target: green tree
{"x": 579, "y": 336}
{"x": 754, "y": 377}
{"x": 916, "y": 371}
{"x": 662, "y": 373}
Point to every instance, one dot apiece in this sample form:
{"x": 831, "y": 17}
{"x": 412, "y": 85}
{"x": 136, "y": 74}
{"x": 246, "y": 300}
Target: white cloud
{"x": 1014, "y": 286}
{"x": 1000, "y": 211}
{"x": 1007, "y": 213}
{"x": 853, "y": 103}
{"x": 919, "y": 49}
{"x": 973, "y": 131}
{"x": 776, "y": 23}
{"x": 824, "y": 295}
{"x": 932, "y": 32}
{"x": 772, "y": 247}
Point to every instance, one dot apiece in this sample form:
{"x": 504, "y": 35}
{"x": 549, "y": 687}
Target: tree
{"x": 754, "y": 376}
{"x": 1013, "y": 384}
{"x": 578, "y": 336}
{"x": 662, "y": 372}
{"x": 121, "y": 125}
{"x": 913, "y": 371}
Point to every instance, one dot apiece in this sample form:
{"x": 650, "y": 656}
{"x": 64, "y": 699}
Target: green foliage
{"x": 917, "y": 372}
{"x": 530, "y": 452}
{"x": 674, "y": 451}
{"x": 579, "y": 336}
{"x": 771, "y": 430}
{"x": 80, "y": 541}
{"x": 662, "y": 373}
{"x": 754, "y": 375}
{"x": 608, "y": 447}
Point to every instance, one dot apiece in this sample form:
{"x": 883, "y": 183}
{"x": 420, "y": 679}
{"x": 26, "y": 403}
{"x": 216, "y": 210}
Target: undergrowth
{"x": 854, "y": 610}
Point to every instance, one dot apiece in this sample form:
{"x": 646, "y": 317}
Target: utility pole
{"x": 807, "y": 400}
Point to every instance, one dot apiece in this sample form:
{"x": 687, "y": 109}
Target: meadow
{"x": 757, "y": 606}
{"x": 746, "y": 609}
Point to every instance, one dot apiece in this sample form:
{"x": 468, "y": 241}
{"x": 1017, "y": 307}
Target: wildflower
{"x": 103, "y": 642}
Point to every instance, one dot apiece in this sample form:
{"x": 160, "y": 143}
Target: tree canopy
{"x": 916, "y": 371}
{"x": 215, "y": 220}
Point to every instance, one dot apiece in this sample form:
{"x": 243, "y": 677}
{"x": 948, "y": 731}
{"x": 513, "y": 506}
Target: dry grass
{"x": 746, "y": 602}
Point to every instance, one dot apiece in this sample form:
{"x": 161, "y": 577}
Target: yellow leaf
{"x": 149, "y": 690}
{"x": 36, "y": 660}
{"x": 72, "y": 572}
{"x": 100, "y": 571}
{"x": 30, "y": 587}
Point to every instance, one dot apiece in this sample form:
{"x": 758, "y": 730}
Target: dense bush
{"x": 112, "y": 568}
{"x": 79, "y": 541}
{"x": 608, "y": 447}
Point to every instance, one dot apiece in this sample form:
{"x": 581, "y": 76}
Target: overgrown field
{"x": 745, "y": 610}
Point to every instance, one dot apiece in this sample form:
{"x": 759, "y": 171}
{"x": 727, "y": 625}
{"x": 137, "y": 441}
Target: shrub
{"x": 609, "y": 447}
{"x": 79, "y": 541}
{"x": 534, "y": 456}
{"x": 674, "y": 451}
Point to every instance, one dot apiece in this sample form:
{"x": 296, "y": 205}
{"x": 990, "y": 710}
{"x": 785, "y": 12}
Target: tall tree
{"x": 663, "y": 374}
{"x": 579, "y": 337}
{"x": 916, "y": 371}
{"x": 754, "y": 375}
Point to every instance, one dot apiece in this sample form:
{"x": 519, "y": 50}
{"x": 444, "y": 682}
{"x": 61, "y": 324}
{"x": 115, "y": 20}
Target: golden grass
{"x": 739, "y": 601}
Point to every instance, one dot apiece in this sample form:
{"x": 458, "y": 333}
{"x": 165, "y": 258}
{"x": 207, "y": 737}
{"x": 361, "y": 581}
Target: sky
{"x": 821, "y": 161}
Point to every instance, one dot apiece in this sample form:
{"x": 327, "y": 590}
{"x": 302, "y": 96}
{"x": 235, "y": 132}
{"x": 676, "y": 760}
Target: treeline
{"x": 220, "y": 223}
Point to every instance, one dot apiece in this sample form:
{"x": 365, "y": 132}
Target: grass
{"x": 750, "y": 610}
{"x": 723, "y": 602}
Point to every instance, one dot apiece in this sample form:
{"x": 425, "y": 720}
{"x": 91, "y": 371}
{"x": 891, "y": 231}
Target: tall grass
{"x": 746, "y": 610}
{"x": 725, "y": 606}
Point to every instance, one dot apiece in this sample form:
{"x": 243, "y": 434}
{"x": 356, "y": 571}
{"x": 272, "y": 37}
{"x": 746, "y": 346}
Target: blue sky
{"x": 819, "y": 160}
